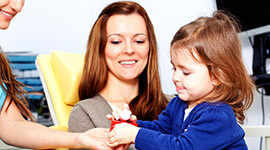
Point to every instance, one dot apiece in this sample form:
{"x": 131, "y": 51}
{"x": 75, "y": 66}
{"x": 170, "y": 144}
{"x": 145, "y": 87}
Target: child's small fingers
{"x": 126, "y": 106}
{"x": 109, "y": 116}
{"x": 113, "y": 141}
{"x": 133, "y": 118}
{"x": 113, "y": 145}
{"x": 111, "y": 134}
{"x": 116, "y": 114}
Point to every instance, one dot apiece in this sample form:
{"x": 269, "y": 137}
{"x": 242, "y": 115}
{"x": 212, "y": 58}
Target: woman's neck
{"x": 119, "y": 92}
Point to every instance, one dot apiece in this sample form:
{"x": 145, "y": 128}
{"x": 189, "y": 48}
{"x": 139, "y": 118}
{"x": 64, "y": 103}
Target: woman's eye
{"x": 115, "y": 42}
{"x": 139, "y": 41}
{"x": 173, "y": 68}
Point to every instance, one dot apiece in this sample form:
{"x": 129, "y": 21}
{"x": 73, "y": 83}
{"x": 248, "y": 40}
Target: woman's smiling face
{"x": 127, "y": 46}
{"x": 8, "y": 10}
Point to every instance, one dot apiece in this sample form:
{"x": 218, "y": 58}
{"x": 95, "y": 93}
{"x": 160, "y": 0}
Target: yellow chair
{"x": 60, "y": 73}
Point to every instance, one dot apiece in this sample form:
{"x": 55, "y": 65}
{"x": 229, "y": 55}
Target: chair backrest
{"x": 259, "y": 131}
{"x": 60, "y": 74}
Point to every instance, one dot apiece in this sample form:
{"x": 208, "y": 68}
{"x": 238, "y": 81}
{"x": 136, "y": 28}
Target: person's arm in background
{"x": 15, "y": 130}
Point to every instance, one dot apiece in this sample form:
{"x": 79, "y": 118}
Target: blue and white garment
{"x": 209, "y": 126}
{"x": 3, "y": 95}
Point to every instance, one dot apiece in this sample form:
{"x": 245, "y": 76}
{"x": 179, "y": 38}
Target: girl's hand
{"x": 122, "y": 115}
{"x": 123, "y": 133}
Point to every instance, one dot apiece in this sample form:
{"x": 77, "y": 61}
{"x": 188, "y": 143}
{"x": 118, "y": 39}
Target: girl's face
{"x": 8, "y": 10}
{"x": 190, "y": 77}
{"x": 127, "y": 46}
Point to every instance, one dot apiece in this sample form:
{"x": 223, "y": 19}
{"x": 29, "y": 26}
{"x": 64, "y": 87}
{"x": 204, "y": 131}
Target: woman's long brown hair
{"x": 215, "y": 40}
{"x": 14, "y": 87}
{"x": 150, "y": 101}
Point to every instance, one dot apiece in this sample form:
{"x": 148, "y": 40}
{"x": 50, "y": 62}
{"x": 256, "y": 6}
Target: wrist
{"x": 134, "y": 134}
{"x": 76, "y": 140}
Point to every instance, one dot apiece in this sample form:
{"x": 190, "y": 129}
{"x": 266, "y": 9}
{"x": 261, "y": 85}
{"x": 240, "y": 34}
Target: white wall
{"x": 64, "y": 25}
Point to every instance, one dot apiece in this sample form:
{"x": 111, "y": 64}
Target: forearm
{"x": 32, "y": 135}
{"x": 15, "y": 130}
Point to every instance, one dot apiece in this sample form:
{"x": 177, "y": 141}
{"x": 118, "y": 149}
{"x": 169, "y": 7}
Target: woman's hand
{"x": 96, "y": 138}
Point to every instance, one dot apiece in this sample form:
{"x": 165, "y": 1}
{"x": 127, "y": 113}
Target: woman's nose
{"x": 17, "y": 5}
{"x": 129, "y": 49}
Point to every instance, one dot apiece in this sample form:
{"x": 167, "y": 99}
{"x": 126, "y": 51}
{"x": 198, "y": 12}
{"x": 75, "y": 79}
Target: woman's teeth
{"x": 127, "y": 62}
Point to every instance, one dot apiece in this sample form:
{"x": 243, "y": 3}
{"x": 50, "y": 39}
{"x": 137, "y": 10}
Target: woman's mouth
{"x": 127, "y": 62}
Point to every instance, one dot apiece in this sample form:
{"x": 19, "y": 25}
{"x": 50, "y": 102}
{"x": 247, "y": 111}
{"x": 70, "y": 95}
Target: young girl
{"x": 213, "y": 89}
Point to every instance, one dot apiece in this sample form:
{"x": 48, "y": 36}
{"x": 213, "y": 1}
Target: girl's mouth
{"x": 179, "y": 88}
{"x": 7, "y": 15}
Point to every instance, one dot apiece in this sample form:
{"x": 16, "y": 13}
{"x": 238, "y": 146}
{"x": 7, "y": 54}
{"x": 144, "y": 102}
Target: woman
{"x": 14, "y": 129}
{"x": 121, "y": 67}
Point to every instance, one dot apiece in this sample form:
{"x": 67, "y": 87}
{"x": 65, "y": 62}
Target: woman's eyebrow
{"x": 114, "y": 34}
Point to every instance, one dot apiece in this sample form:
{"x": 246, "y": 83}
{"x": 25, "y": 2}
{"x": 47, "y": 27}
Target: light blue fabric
{"x": 3, "y": 95}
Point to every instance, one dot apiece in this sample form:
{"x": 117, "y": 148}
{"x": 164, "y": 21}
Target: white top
{"x": 187, "y": 111}
{"x": 112, "y": 106}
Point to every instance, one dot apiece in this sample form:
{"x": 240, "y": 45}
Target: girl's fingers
{"x": 113, "y": 144}
{"x": 112, "y": 140}
{"x": 109, "y": 116}
{"x": 126, "y": 106}
{"x": 115, "y": 114}
{"x": 133, "y": 118}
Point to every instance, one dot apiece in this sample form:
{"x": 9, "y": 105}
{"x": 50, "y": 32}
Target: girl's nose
{"x": 176, "y": 77}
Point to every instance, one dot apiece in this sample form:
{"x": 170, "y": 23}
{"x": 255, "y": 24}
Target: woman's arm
{"x": 15, "y": 130}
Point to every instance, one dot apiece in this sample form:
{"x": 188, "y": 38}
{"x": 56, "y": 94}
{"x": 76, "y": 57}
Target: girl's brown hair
{"x": 215, "y": 40}
{"x": 14, "y": 88}
{"x": 151, "y": 100}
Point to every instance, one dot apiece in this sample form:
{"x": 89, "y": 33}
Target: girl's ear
{"x": 216, "y": 82}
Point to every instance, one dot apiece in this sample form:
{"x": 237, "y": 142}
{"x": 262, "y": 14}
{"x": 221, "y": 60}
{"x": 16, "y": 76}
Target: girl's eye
{"x": 173, "y": 68}
{"x": 186, "y": 73}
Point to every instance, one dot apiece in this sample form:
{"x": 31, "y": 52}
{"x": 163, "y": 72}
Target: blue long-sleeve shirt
{"x": 209, "y": 126}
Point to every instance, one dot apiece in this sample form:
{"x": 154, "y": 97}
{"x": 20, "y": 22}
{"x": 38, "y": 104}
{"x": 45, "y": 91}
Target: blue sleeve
{"x": 3, "y": 96}
{"x": 164, "y": 123}
{"x": 211, "y": 129}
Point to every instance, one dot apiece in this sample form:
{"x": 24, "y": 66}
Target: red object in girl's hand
{"x": 124, "y": 117}
{"x": 114, "y": 122}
